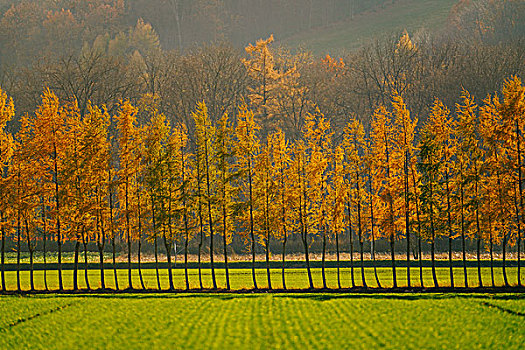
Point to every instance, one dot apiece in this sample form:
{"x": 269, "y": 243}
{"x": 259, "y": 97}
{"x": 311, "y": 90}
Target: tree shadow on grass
{"x": 415, "y": 296}
{"x": 314, "y": 295}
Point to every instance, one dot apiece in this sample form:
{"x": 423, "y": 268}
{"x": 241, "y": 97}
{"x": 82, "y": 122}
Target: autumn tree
{"x": 405, "y": 125}
{"x": 383, "y": 148}
{"x": 205, "y": 136}
{"x": 281, "y": 162}
{"x": 227, "y": 191}
{"x": 354, "y": 144}
{"x": 468, "y": 162}
{"x": 512, "y": 109}
{"x": 7, "y": 111}
{"x": 265, "y": 77}
{"x": 52, "y": 137}
{"x": 155, "y": 140}
{"x": 127, "y": 140}
{"x": 247, "y": 149}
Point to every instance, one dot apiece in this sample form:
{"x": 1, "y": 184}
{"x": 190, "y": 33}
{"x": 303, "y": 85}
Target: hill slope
{"x": 412, "y": 15}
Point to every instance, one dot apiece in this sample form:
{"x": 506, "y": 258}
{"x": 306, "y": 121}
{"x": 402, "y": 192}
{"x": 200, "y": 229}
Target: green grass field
{"x": 412, "y": 15}
{"x": 263, "y": 321}
{"x": 242, "y": 278}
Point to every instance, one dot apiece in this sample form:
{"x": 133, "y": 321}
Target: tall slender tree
{"x": 7, "y": 111}
{"x": 248, "y": 148}
{"x": 128, "y": 164}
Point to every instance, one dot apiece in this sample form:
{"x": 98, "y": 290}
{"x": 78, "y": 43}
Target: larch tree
{"x": 405, "y": 126}
{"x": 185, "y": 194}
{"x": 155, "y": 139}
{"x": 264, "y": 194}
{"x": 337, "y": 192}
{"x": 512, "y": 110}
{"x": 96, "y": 153}
{"x": 303, "y": 211}
{"x": 7, "y": 111}
{"x": 24, "y": 194}
{"x": 468, "y": 162}
{"x": 204, "y": 139}
{"x": 496, "y": 213}
{"x": 128, "y": 165}
{"x": 354, "y": 144}
{"x": 227, "y": 191}
{"x": 429, "y": 165}
{"x": 280, "y": 153}
{"x": 248, "y": 147}
{"x": 383, "y": 149}
{"x": 179, "y": 225}
{"x": 51, "y": 134}
{"x": 264, "y": 90}
{"x": 436, "y": 151}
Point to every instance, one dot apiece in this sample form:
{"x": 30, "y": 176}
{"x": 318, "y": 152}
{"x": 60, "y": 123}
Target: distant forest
{"x": 104, "y": 50}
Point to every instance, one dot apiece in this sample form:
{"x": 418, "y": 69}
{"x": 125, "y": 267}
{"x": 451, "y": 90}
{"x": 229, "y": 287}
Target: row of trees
{"x": 87, "y": 175}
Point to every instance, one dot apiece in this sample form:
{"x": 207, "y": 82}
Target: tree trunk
{"x": 186, "y": 275}
{"x": 31, "y": 251}
{"x": 252, "y": 235}
{"x": 268, "y": 259}
{"x": 478, "y": 253}
{"x": 338, "y": 261}
{"x": 478, "y": 230}
{"x": 224, "y": 241}
{"x": 373, "y": 253}
{"x": 3, "y": 254}
{"x": 201, "y": 241}
{"x": 307, "y": 258}
{"x": 45, "y": 257}
{"x": 101, "y": 242}
{"x": 304, "y": 238}
{"x": 361, "y": 251}
{"x": 491, "y": 248}
{"x": 520, "y": 187}
{"x": 128, "y": 237}
{"x": 18, "y": 287}
{"x": 433, "y": 255}
{"x": 84, "y": 241}
{"x": 139, "y": 248}
{"x": 433, "y": 242}
{"x": 505, "y": 280}
{"x": 420, "y": 253}
{"x": 352, "y": 272}
{"x": 114, "y": 261}
{"x": 372, "y": 224}
{"x": 360, "y": 232}
{"x": 284, "y": 258}
{"x": 393, "y": 257}
{"x": 449, "y": 219}
{"x": 58, "y": 232}
{"x": 407, "y": 218}
{"x": 167, "y": 245}
{"x": 351, "y": 238}
{"x": 75, "y": 268}
{"x": 139, "y": 262}
{"x": 44, "y": 238}
{"x": 323, "y": 259}
{"x": 101, "y": 266}
{"x": 156, "y": 248}
{"x": 463, "y": 241}
{"x": 111, "y": 228}
{"x": 210, "y": 219}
